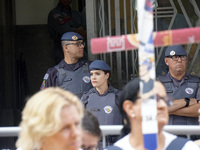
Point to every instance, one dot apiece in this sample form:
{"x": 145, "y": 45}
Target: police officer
{"x": 184, "y": 89}
{"x": 102, "y": 99}
{"x": 72, "y": 73}
{"x": 64, "y": 19}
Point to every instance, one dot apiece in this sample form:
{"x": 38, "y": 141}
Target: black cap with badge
{"x": 71, "y": 36}
{"x": 175, "y": 50}
{"x": 99, "y": 65}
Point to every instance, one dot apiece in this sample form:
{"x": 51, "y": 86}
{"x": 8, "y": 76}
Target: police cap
{"x": 99, "y": 65}
{"x": 176, "y": 50}
{"x": 71, "y": 36}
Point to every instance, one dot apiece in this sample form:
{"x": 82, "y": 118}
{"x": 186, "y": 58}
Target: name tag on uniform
{"x": 94, "y": 109}
{"x": 169, "y": 91}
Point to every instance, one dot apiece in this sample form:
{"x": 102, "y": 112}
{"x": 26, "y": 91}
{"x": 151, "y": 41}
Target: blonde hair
{"x": 41, "y": 116}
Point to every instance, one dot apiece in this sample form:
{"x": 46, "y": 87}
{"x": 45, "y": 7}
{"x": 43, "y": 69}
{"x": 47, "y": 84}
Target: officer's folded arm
{"x": 176, "y": 105}
{"x": 190, "y": 111}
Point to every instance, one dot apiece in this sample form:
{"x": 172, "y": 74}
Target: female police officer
{"x": 102, "y": 99}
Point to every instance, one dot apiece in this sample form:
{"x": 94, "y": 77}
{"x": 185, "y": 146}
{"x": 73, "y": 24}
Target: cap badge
{"x": 74, "y": 37}
{"x": 108, "y": 109}
{"x": 46, "y": 76}
{"x": 172, "y": 53}
{"x": 86, "y": 79}
{"x": 189, "y": 90}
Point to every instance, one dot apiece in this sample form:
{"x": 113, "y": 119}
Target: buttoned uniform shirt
{"x": 76, "y": 79}
{"x": 105, "y": 107}
{"x": 187, "y": 87}
{"x": 178, "y": 83}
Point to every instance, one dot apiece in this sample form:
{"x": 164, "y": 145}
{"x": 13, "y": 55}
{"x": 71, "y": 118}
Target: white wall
{"x": 30, "y": 12}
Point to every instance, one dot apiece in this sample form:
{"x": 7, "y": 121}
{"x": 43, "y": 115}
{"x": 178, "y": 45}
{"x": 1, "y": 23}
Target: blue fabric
{"x": 179, "y": 142}
{"x": 99, "y": 65}
{"x": 150, "y": 141}
{"x": 176, "y": 50}
{"x": 71, "y": 36}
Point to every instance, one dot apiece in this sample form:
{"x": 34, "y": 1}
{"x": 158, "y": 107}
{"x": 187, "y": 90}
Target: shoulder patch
{"x": 46, "y": 76}
{"x": 86, "y": 79}
{"x": 43, "y": 85}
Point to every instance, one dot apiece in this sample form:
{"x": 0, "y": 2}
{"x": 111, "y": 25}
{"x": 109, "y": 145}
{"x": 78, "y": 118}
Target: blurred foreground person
{"x": 130, "y": 105}
{"x": 51, "y": 120}
{"x": 91, "y": 131}
{"x": 198, "y": 141}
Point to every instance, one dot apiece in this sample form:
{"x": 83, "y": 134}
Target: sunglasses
{"x": 176, "y": 58}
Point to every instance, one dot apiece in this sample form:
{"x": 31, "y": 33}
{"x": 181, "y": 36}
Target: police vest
{"x": 104, "y": 108}
{"x": 77, "y": 81}
{"x": 188, "y": 89}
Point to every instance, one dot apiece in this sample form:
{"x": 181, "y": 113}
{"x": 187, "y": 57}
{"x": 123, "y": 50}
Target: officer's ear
{"x": 65, "y": 48}
{"x": 128, "y": 107}
{"x": 166, "y": 61}
{"x": 107, "y": 75}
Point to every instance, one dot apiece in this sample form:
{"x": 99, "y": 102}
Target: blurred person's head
{"x": 51, "y": 120}
{"x": 91, "y": 133}
{"x": 130, "y": 105}
{"x": 65, "y": 3}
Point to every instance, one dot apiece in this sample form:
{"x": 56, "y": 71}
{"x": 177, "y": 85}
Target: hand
{"x": 193, "y": 101}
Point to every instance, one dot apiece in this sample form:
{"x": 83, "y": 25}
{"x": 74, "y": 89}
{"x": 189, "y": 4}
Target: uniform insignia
{"x": 189, "y": 90}
{"x": 108, "y": 109}
{"x": 86, "y": 79}
{"x": 43, "y": 85}
{"x": 67, "y": 19}
{"x": 172, "y": 53}
{"x": 61, "y": 20}
{"x": 74, "y": 37}
{"x": 46, "y": 76}
{"x": 56, "y": 16}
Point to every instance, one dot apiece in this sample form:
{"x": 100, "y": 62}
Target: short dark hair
{"x": 129, "y": 92}
{"x": 91, "y": 124}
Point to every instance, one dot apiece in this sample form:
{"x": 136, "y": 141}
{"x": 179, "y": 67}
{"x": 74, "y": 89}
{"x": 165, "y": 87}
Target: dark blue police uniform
{"x": 188, "y": 87}
{"x": 104, "y": 107}
{"x": 72, "y": 77}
